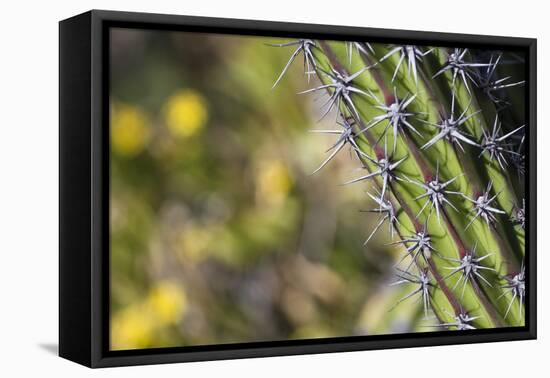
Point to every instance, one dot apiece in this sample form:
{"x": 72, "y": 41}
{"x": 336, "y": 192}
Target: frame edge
{"x": 75, "y": 275}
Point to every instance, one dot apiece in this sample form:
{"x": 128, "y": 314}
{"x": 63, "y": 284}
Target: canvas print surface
{"x": 266, "y": 189}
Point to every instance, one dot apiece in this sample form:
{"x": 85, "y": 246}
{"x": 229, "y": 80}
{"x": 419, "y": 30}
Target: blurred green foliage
{"x": 219, "y": 234}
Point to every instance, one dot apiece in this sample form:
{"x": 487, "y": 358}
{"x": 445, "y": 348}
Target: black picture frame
{"x": 84, "y": 190}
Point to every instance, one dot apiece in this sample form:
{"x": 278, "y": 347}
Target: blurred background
{"x": 219, "y": 232}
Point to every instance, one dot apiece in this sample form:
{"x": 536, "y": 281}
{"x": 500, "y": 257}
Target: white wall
{"x": 28, "y": 186}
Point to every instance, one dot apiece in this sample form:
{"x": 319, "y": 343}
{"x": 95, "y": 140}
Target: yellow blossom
{"x": 138, "y": 324}
{"x": 129, "y": 130}
{"x": 167, "y": 302}
{"x": 273, "y": 182}
{"x": 185, "y": 113}
{"x": 131, "y": 328}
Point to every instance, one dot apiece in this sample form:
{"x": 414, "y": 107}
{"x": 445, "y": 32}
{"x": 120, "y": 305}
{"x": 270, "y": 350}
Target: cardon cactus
{"x": 439, "y": 135}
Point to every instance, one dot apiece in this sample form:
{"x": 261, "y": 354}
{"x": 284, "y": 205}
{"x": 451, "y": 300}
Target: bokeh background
{"x": 219, "y": 232}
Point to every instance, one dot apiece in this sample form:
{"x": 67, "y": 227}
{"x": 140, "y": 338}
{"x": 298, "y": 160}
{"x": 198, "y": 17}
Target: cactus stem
{"x": 365, "y": 102}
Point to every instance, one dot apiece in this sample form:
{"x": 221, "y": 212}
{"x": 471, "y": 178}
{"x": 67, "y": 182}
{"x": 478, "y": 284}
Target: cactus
{"x": 438, "y": 131}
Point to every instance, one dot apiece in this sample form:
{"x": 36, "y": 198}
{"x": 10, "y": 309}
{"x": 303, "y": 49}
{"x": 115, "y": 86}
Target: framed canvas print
{"x": 234, "y": 188}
